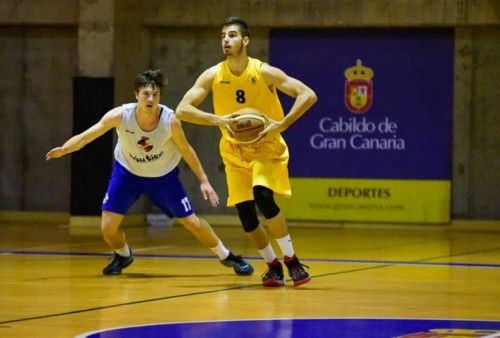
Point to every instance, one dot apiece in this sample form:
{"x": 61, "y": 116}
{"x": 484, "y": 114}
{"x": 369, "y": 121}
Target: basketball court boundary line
{"x": 423, "y": 261}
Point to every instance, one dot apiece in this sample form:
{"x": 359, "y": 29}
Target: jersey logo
{"x": 224, "y": 82}
{"x": 143, "y": 144}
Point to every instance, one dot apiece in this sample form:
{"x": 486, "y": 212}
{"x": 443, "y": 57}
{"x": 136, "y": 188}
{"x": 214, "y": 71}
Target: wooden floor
{"x": 51, "y": 283}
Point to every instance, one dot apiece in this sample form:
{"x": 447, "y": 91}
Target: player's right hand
{"x": 226, "y": 121}
{"x": 55, "y": 153}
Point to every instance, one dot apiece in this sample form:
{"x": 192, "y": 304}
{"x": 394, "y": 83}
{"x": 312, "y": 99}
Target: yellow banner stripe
{"x": 368, "y": 200}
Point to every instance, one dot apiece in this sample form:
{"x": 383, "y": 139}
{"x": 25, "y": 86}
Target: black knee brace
{"x": 264, "y": 198}
{"x": 248, "y": 215}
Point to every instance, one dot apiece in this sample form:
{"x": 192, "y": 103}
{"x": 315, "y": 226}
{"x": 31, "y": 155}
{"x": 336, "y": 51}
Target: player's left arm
{"x": 192, "y": 160}
{"x": 304, "y": 96}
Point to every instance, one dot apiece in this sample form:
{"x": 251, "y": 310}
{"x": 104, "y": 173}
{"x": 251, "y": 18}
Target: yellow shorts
{"x": 263, "y": 163}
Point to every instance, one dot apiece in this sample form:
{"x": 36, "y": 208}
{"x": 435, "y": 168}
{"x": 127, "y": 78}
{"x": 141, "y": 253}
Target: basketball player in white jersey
{"x": 150, "y": 145}
{"x": 254, "y": 172}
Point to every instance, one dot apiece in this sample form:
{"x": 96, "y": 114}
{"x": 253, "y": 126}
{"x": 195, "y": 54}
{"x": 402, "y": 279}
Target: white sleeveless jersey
{"x": 146, "y": 153}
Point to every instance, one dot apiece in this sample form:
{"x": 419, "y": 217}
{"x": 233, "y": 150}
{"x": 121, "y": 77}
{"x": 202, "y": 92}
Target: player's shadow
{"x": 142, "y": 275}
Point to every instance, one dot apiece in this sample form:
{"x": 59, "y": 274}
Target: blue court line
{"x": 307, "y": 327}
{"x": 422, "y": 262}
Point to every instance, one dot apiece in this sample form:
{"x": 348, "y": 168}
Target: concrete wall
{"x": 36, "y": 66}
{"x": 476, "y": 165}
{"x": 41, "y": 50}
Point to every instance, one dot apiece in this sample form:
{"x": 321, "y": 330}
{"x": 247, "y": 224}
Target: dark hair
{"x": 242, "y": 25}
{"x": 152, "y": 78}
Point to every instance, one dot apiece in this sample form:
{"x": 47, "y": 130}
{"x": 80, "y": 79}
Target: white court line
{"x": 152, "y": 248}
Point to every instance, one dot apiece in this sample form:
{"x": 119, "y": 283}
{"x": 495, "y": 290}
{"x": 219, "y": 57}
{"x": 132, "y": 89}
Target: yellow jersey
{"x": 231, "y": 92}
{"x": 264, "y": 162}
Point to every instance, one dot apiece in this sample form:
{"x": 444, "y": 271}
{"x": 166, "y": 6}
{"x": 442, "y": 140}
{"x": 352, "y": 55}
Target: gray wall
{"x": 36, "y": 69}
{"x": 41, "y": 50}
{"x": 476, "y": 146}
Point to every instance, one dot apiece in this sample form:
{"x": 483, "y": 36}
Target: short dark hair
{"x": 242, "y": 25}
{"x": 152, "y": 78}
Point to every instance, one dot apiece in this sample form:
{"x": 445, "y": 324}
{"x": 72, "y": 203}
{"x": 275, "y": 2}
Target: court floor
{"x": 367, "y": 281}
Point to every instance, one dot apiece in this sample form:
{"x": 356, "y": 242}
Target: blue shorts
{"x": 166, "y": 192}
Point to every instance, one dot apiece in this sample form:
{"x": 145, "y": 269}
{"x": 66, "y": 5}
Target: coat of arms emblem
{"x": 358, "y": 92}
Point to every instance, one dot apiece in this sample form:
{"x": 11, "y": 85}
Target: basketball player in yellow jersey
{"x": 256, "y": 171}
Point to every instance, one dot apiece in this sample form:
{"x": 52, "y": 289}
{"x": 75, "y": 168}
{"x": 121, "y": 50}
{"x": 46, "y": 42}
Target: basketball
{"x": 247, "y": 125}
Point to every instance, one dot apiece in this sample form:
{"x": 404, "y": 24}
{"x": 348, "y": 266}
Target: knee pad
{"x": 248, "y": 215}
{"x": 264, "y": 198}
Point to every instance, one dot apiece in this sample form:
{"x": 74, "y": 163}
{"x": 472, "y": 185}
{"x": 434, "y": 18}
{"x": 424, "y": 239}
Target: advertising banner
{"x": 377, "y": 144}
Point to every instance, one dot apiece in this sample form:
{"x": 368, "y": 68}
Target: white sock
{"x": 220, "y": 250}
{"x": 124, "y": 252}
{"x": 268, "y": 253}
{"x": 285, "y": 244}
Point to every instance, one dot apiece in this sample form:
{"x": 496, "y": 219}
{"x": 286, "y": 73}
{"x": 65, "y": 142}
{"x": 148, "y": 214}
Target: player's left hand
{"x": 209, "y": 194}
{"x": 273, "y": 127}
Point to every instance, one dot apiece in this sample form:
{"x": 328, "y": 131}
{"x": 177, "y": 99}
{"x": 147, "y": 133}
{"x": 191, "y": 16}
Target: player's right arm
{"x": 188, "y": 110}
{"x": 110, "y": 120}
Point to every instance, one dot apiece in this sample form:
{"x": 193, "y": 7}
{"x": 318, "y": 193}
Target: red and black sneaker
{"x": 274, "y": 275}
{"x": 296, "y": 271}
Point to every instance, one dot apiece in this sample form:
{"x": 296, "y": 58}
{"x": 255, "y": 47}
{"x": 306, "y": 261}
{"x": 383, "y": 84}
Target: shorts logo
{"x": 358, "y": 90}
{"x": 143, "y": 144}
{"x": 105, "y": 199}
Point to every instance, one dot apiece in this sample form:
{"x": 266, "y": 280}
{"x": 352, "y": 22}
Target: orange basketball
{"x": 247, "y": 125}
